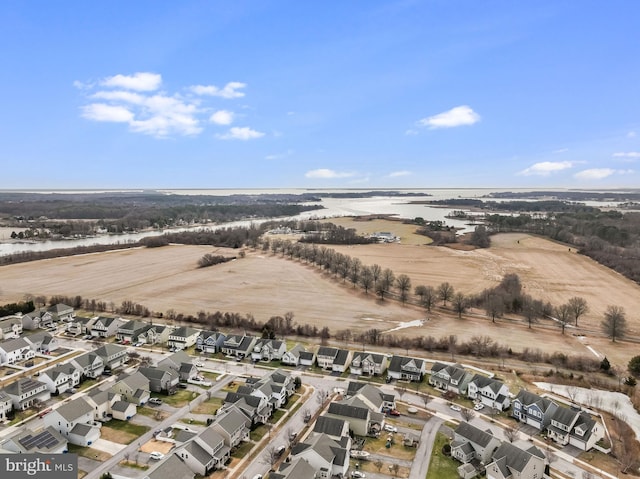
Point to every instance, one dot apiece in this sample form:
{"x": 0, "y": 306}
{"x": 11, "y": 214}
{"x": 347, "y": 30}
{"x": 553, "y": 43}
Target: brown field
{"x": 266, "y": 285}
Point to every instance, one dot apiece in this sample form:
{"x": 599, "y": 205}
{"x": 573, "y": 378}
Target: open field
{"x": 266, "y": 285}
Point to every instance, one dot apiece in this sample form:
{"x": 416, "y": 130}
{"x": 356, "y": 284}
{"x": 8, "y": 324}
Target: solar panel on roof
{"x": 42, "y": 440}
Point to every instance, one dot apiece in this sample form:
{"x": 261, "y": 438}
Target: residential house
{"x": 341, "y": 361}
{"x": 38, "y": 319}
{"x": 161, "y": 379}
{"x": 470, "y": 443}
{"x": 572, "y": 426}
{"x": 368, "y": 364}
{"x": 123, "y": 410}
{"x": 238, "y": 346}
{"x": 405, "y": 368}
{"x": 89, "y": 364}
{"x": 511, "y": 462}
{"x": 268, "y": 350}
{"x": 181, "y": 363}
{"x": 10, "y": 327}
{"x": 307, "y": 358}
{"x": 333, "y": 427}
{"x": 155, "y": 334}
{"x": 61, "y": 378}
{"x": 362, "y": 421}
{"x": 113, "y": 355}
{"x": 205, "y": 452}
{"x": 533, "y": 410}
{"x": 62, "y": 312}
{"x": 102, "y": 402}
{"x": 15, "y": 350}
{"x": 182, "y": 338}
{"x": 326, "y": 356}
{"x": 450, "y": 377}
{"x": 210, "y": 342}
{"x": 26, "y": 441}
{"x": 233, "y": 426}
{"x": 490, "y": 392}
{"x": 74, "y": 421}
{"x": 104, "y": 327}
{"x": 257, "y": 409}
{"x": 375, "y": 398}
{"x": 326, "y": 456}
{"x": 276, "y": 387}
{"x": 299, "y": 468}
{"x": 292, "y": 357}
{"x": 6, "y": 405}
{"x": 128, "y": 332}
{"x": 133, "y": 387}
{"x": 171, "y": 468}
{"x": 80, "y": 325}
{"x": 42, "y": 342}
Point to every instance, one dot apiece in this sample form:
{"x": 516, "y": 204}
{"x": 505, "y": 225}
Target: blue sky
{"x": 367, "y": 94}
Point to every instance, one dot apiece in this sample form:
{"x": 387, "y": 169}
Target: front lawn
{"x": 441, "y": 466}
{"x": 210, "y": 406}
{"x": 89, "y": 453}
{"x": 242, "y": 450}
{"x": 122, "y": 432}
{"x": 179, "y": 399}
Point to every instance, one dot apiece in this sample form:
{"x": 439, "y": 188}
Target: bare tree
{"x": 614, "y": 323}
{"x": 321, "y": 396}
{"x": 426, "y": 399}
{"x": 270, "y": 456}
{"x": 563, "y": 314}
{"x": 394, "y": 469}
{"x": 403, "y": 283}
{"x": 376, "y": 271}
{"x": 460, "y": 304}
{"x": 445, "y": 292}
{"x": 467, "y": 414}
{"x": 511, "y": 433}
{"x": 494, "y": 306}
{"x": 378, "y": 463}
{"x": 366, "y": 279}
{"x": 572, "y": 392}
{"x": 578, "y": 307}
{"x": 401, "y": 390}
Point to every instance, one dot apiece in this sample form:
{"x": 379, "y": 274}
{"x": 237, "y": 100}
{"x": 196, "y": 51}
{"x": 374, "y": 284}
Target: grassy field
{"x": 441, "y": 466}
{"x": 210, "y": 406}
{"x": 179, "y": 399}
{"x": 122, "y": 432}
{"x": 89, "y": 453}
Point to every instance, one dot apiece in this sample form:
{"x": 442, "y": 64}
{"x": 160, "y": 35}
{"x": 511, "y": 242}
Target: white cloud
{"x": 594, "y": 174}
{"x": 396, "y": 174}
{"x": 241, "y": 133}
{"x": 103, "y": 112}
{"x": 120, "y": 95}
{"x": 545, "y": 168}
{"x": 457, "y": 116}
{"x": 325, "y": 173}
{"x": 228, "y": 91}
{"x": 627, "y": 154}
{"x": 142, "y": 81}
{"x": 222, "y": 117}
{"x": 631, "y": 134}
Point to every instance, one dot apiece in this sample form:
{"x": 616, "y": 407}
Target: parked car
{"x": 455, "y": 407}
{"x": 156, "y": 455}
{"x": 137, "y": 345}
{"x": 358, "y": 474}
{"x": 182, "y": 385}
{"x": 478, "y": 407}
{"x": 393, "y": 412}
{"x": 390, "y": 428}
{"x": 155, "y": 401}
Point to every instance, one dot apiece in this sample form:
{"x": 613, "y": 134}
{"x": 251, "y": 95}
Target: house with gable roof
{"x": 26, "y": 441}
{"x": 161, "y": 379}
{"x": 181, "y": 363}
{"x": 155, "y": 334}
{"x": 62, "y": 312}
{"x": 60, "y": 378}
{"x": 182, "y": 338}
{"x": 572, "y": 426}
{"x": 490, "y": 392}
{"x": 238, "y": 346}
{"x": 307, "y": 358}
{"x": 15, "y": 350}
{"x": 134, "y": 388}
{"x": 257, "y": 409}
{"x": 233, "y": 426}
{"x": 292, "y": 357}
{"x": 326, "y": 356}
{"x": 326, "y": 456}
{"x": 80, "y": 325}
{"x": 533, "y": 409}
{"x": 113, "y": 356}
{"x": 360, "y": 418}
{"x": 375, "y": 398}
{"x": 171, "y": 468}
{"x": 128, "y": 332}
{"x": 89, "y": 364}
{"x": 298, "y": 468}
{"x": 74, "y": 421}
{"x": 42, "y": 342}
{"x": 10, "y": 327}
{"x": 276, "y": 387}
{"x": 38, "y": 319}
{"x": 268, "y": 350}
{"x": 26, "y": 392}
{"x": 368, "y": 364}
{"x": 333, "y": 427}
{"x": 511, "y": 462}
{"x": 449, "y": 377}
{"x": 205, "y": 452}
{"x": 6, "y": 405}
{"x": 210, "y": 342}
{"x": 470, "y": 443}
{"x": 104, "y": 327}
{"x": 102, "y": 402}
{"x": 406, "y": 368}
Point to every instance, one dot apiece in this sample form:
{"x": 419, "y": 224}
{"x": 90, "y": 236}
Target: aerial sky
{"x": 317, "y": 94}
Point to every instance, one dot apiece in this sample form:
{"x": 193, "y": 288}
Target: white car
{"x": 156, "y": 455}
{"x": 455, "y": 407}
{"x": 390, "y": 428}
{"x": 358, "y": 474}
{"x": 478, "y": 407}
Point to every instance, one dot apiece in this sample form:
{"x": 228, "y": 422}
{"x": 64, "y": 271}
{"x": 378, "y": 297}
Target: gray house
{"x": 210, "y": 342}
{"x": 161, "y": 379}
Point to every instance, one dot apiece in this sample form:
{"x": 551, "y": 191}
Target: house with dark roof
{"x": 307, "y": 358}
{"x": 470, "y": 443}
{"x": 238, "y": 346}
{"x": 333, "y": 427}
{"x": 26, "y": 392}
{"x": 102, "y": 402}
{"x": 161, "y": 379}
{"x": 60, "y": 378}
{"x": 233, "y": 426}
{"x": 257, "y": 409}
{"x": 172, "y": 467}
{"x": 205, "y": 452}
{"x": 10, "y": 327}
{"x": 80, "y": 325}
{"x": 375, "y": 398}
{"x": 104, "y": 327}
{"x": 268, "y": 350}
{"x": 511, "y": 462}
{"x": 210, "y": 342}
{"x": 113, "y": 356}
{"x": 292, "y": 357}
{"x": 89, "y": 364}
{"x": 490, "y": 392}
{"x": 299, "y": 468}
{"x": 533, "y": 409}
{"x": 128, "y": 332}
{"x": 26, "y": 441}
{"x": 368, "y": 364}
{"x": 405, "y": 368}
{"x": 74, "y": 421}
{"x": 276, "y": 387}
{"x": 155, "y": 334}
{"x": 181, "y": 363}
{"x": 123, "y": 410}
{"x": 572, "y": 426}
{"x": 362, "y": 421}
{"x": 182, "y": 338}
{"x": 15, "y": 350}
{"x": 449, "y": 377}
{"x": 134, "y": 387}
{"x": 326, "y": 456}
{"x": 326, "y": 356}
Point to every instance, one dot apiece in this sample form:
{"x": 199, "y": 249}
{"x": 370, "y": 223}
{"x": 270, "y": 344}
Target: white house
{"x": 6, "y": 405}
{"x": 74, "y": 421}
{"x": 26, "y": 392}
{"x": 15, "y": 350}
{"x": 182, "y": 338}
{"x": 61, "y": 378}
{"x": 11, "y": 327}
{"x": 490, "y": 392}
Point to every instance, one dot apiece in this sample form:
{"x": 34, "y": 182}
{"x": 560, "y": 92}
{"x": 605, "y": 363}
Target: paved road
{"x": 425, "y": 448}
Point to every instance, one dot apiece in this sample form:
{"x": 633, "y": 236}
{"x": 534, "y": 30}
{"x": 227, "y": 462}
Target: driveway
{"x": 108, "y": 446}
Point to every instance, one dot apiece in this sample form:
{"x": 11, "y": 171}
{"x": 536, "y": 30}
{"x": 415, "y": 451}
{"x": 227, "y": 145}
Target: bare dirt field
{"x": 266, "y": 285}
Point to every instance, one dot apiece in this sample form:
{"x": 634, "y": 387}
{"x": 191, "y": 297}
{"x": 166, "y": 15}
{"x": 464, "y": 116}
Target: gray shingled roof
{"x": 473, "y": 434}
{"x": 329, "y": 425}
{"x": 346, "y": 410}
{"x": 528, "y": 398}
{"x": 514, "y": 457}
{"x": 172, "y": 468}
{"x": 483, "y": 381}
{"x": 74, "y": 409}
{"x": 14, "y": 344}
